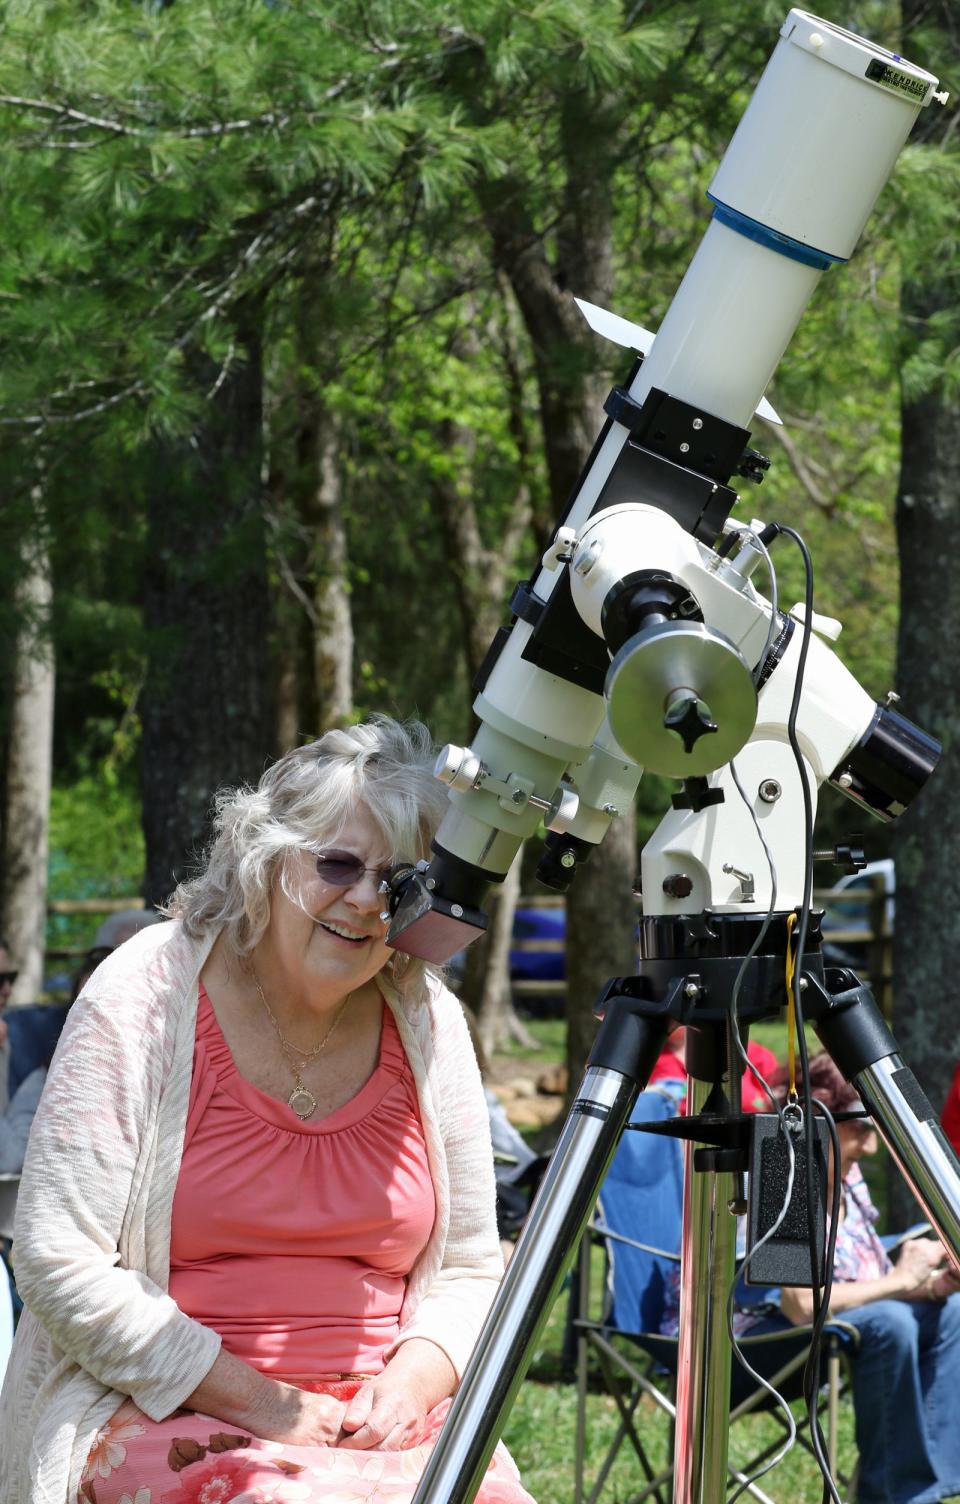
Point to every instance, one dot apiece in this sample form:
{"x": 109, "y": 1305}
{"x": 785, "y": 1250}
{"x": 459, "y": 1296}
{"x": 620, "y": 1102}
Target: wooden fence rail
{"x": 877, "y": 936}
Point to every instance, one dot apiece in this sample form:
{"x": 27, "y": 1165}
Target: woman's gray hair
{"x": 381, "y": 765}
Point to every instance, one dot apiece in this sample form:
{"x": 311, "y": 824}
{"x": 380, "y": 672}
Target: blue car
{"x": 538, "y": 951}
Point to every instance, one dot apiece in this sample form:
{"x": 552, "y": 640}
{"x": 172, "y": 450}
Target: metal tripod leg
{"x": 853, "y": 1029}
{"x": 707, "y": 1263}
{"x": 909, "y": 1127}
{"x": 557, "y": 1218}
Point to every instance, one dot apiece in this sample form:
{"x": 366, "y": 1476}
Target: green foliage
{"x": 541, "y": 1430}
{"x": 96, "y": 851}
{"x": 176, "y": 176}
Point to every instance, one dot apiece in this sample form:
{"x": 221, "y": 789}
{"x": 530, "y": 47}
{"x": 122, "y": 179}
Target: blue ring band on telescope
{"x": 784, "y": 245}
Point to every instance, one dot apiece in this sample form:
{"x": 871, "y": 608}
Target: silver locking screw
{"x": 770, "y": 790}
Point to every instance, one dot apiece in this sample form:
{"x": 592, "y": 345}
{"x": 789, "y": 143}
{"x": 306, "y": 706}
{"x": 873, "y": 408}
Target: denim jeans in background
{"x": 906, "y": 1387}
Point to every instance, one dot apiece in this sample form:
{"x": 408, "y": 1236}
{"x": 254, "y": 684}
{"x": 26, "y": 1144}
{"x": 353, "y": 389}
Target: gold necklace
{"x": 301, "y": 1099}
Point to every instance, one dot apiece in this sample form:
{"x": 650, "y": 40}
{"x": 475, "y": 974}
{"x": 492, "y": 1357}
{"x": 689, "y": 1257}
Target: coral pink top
{"x": 293, "y": 1239}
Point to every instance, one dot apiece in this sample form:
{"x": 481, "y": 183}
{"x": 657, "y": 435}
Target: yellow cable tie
{"x": 791, "y": 1010}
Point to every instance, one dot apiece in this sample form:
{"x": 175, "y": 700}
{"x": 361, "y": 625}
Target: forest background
{"x": 294, "y": 389}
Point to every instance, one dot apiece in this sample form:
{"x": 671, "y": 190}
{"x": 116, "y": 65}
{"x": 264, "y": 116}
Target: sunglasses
{"x": 342, "y": 869}
{"x": 8, "y": 977}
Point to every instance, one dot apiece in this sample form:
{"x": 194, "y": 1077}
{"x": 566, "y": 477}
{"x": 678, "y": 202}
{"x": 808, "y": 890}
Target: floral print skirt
{"x": 192, "y": 1459}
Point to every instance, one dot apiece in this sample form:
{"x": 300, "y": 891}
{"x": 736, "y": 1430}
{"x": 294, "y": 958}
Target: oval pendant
{"x": 303, "y": 1102}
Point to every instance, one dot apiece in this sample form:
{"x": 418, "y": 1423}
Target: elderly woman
{"x": 906, "y": 1372}
{"x": 256, "y": 1235}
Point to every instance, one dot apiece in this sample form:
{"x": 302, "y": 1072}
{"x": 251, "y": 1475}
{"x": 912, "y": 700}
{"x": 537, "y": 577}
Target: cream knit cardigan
{"x": 92, "y": 1239}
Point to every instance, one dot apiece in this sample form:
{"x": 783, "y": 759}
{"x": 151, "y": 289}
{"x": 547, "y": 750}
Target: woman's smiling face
{"x": 326, "y": 933}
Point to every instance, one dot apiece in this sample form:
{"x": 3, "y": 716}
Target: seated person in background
{"x": 15, "y": 1121}
{"x": 33, "y": 1042}
{"x": 258, "y": 1198}
{"x": 28, "y": 1033}
{"x": 8, "y": 975}
{"x": 670, "y": 1067}
{"x": 906, "y": 1373}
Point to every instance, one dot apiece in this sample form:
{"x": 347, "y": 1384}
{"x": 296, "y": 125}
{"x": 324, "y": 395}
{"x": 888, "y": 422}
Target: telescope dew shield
{"x": 796, "y": 185}
{"x": 817, "y": 141}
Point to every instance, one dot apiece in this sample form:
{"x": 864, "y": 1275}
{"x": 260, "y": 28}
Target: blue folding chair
{"x": 638, "y": 1223}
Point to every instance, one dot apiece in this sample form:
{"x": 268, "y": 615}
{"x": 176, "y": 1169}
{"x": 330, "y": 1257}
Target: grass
{"x": 540, "y": 1431}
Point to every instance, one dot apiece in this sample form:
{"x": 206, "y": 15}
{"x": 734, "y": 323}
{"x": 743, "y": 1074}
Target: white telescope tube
{"x": 796, "y": 185}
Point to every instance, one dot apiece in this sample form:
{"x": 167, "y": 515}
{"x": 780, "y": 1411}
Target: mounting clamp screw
{"x": 769, "y": 790}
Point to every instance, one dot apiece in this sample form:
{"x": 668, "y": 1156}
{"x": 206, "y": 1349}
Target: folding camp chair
{"x": 638, "y": 1223}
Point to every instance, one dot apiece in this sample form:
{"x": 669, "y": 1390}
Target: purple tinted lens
{"x": 342, "y": 871}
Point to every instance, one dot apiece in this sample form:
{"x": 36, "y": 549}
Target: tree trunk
{"x": 29, "y": 766}
{"x": 321, "y": 480}
{"x": 489, "y": 961}
{"x": 207, "y": 708}
{"x": 926, "y": 839}
{"x": 482, "y": 573}
{"x": 600, "y": 910}
{"x": 601, "y": 937}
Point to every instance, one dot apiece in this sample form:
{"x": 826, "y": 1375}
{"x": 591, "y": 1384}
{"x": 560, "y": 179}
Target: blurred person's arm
{"x": 16, "y": 1121}
{"x": 912, "y": 1278}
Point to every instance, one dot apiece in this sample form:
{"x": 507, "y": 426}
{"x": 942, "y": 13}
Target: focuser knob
{"x": 458, "y": 767}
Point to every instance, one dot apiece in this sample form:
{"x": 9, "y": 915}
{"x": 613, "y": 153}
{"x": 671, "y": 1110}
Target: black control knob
{"x": 678, "y": 885}
{"x": 850, "y": 854}
{"x": 690, "y": 718}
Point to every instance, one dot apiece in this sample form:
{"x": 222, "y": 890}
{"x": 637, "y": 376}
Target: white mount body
{"x": 834, "y": 713}
{"x": 795, "y": 187}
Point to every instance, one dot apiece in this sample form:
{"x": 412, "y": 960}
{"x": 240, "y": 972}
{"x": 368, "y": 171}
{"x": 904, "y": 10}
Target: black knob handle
{"x": 850, "y": 854}
{"x": 690, "y": 719}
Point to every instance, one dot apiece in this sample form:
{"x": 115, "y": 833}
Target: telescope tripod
{"x": 687, "y": 976}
